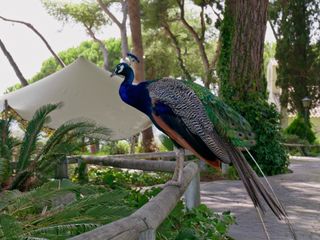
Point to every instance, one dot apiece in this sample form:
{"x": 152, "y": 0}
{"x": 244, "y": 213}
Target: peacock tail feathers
{"x": 226, "y": 121}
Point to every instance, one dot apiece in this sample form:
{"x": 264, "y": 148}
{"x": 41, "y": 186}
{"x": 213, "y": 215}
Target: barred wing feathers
{"x": 170, "y": 95}
{"x": 227, "y": 121}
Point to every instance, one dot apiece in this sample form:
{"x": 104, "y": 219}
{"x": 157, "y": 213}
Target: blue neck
{"x": 135, "y": 95}
{"x": 128, "y": 76}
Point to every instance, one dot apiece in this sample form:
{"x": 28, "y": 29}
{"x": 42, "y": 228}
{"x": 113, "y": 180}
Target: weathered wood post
{"x": 150, "y": 234}
{"x": 224, "y": 168}
{"x": 192, "y": 194}
{"x": 62, "y": 169}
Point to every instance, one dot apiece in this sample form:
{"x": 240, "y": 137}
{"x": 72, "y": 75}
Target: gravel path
{"x": 299, "y": 192}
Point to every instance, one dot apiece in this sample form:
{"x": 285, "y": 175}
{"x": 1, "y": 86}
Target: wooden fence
{"x": 143, "y": 223}
{"x": 304, "y": 149}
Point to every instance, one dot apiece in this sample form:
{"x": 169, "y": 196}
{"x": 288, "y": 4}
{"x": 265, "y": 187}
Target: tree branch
{"x": 121, "y": 25}
{"x": 198, "y": 40}
{"x": 203, "y": 24}
{"x": 104, "y": 7}
{"x": 58, "y": 59}
{"x": 102, "y": 47}
{"x": 176, "y": 44}
{"x": 14, "y": 65}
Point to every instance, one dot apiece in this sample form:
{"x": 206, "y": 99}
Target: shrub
{"x": 265, "y": 122}
{"x": 198, "y": 223}
{"x": 299, "y": 128}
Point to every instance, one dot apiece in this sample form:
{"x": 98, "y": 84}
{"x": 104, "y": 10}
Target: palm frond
{"x": 9, "y": 226}
{"x": 4, "y": 169}
{"x": 65, "y": 229}
{"x": 33, "y": 238}
{"x": 32, "y": 133}
{"x": 71, "y": 131}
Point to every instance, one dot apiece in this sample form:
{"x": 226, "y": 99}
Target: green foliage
{"x": 299, "y": 65}
{"x": 232, "y": 173}
{"x": 38, "y": 162}
{"x": 197, "y": 224}
{"x": 116, "y": 147}
{"x": 166, "y": 142}
{"x": 165, "y": 37}
{"x": 117, "y": 178}
{"x": 264, "y": 119}
{"x": 137, "y": 198}
{"x": 9, "y": 227}
{"x": 299, "y": 128}
{"x": 87, "y": 13}
{"x": 157, "y": 13}
{"x": 227, "y": 29}
{"x": 6, "y": 147}
{"x": 61, "y": 209}
{"x": 32, "y": 133}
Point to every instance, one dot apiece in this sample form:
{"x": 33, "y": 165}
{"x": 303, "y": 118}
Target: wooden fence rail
{"x": 304, "y": 149}
{"x": 142, "y": 224}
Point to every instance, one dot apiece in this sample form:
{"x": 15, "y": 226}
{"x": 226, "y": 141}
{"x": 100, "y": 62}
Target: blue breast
{"x": 136, "y": 96}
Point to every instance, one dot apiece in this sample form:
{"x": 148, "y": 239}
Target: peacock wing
{"x": 226, "y": 120}
{"x": 187, "y": 107}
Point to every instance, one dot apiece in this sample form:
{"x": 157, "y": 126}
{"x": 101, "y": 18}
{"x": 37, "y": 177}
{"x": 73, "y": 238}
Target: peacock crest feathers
{"x": 227, "y": 121}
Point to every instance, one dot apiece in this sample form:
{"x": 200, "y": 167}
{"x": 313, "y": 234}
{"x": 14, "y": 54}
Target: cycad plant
{"x": 6, "y": 146}
{"x": 38, "y": 163}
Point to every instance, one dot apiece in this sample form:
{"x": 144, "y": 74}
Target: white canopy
{"x": 87, "y": 92}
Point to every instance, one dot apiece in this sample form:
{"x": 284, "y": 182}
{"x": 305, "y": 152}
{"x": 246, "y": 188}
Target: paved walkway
{"x": 299, "y": 191}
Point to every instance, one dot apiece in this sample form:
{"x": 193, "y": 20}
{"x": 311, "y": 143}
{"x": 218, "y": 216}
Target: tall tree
{"x": 86, "y": 13}
{"x": 135, "y": 26}
{"x": 122, "y": 25}
{"x": 295, "y": 23}
{"x": 13, "y": 64}
{"x": 242, "y": 83}
{"x": 243, "y": 48}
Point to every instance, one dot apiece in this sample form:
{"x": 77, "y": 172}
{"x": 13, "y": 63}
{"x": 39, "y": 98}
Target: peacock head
{"x": 122, "y": 69}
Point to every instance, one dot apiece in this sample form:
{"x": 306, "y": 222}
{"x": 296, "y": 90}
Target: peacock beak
{"x": 112, "y": 74}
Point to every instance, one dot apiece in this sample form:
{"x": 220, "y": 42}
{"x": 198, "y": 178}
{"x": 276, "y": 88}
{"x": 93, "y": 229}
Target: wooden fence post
{"x": 192, "y": 194}
{"x": 62, "y": 169}
{"x": 150, "y": 234}
{"x": 82, "y": 171}
{"x": 224, "y": 168}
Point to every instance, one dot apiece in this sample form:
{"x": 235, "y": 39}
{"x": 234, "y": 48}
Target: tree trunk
{"x": 135, "y": 26}
{"x": 124, "y": 41}
{"x": 14, "y": 65}
{"x": 249, "y": 20}
{"x": 121, "y": 25}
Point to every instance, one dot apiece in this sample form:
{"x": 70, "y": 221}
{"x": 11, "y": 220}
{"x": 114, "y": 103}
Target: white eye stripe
{"x": 121, "y": 67}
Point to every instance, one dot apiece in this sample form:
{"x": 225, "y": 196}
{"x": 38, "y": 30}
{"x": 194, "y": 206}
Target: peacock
{"x": 197, "y": 120}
